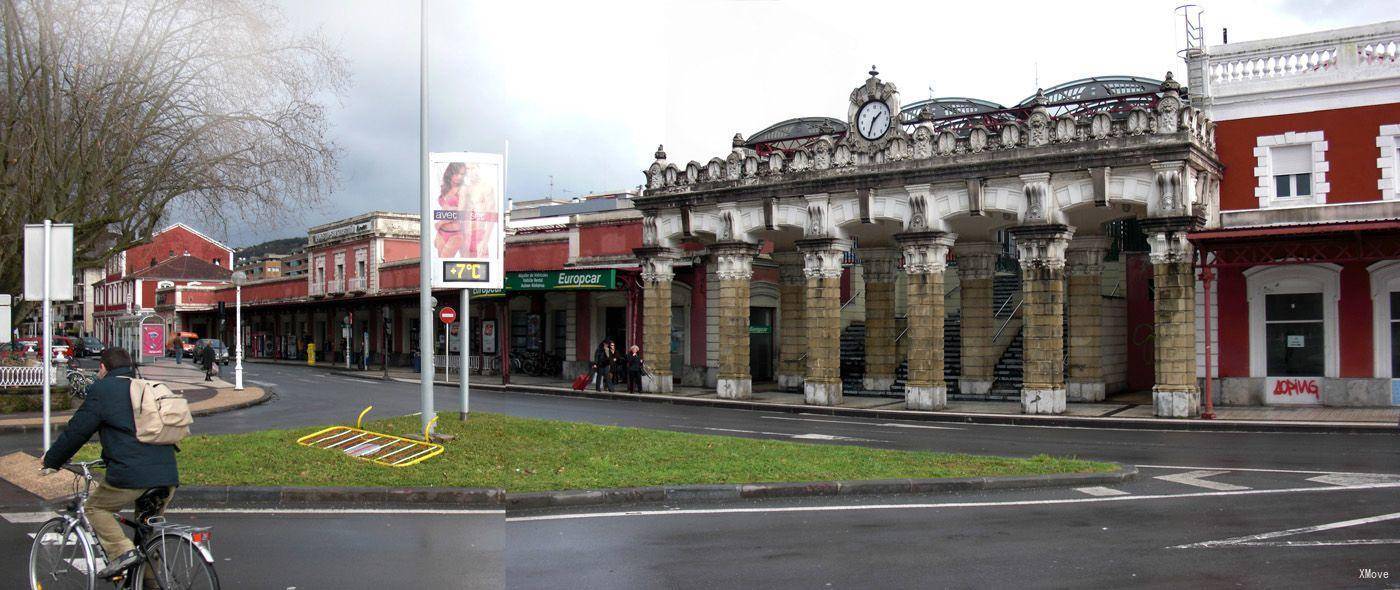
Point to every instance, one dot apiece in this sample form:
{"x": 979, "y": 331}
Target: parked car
{"x": 89, "y": 346}
{"x": 186, "y": 344}
{"x": 220, "y": 350}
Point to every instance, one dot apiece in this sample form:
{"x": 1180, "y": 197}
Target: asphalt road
{"x": 1242, "y": 494}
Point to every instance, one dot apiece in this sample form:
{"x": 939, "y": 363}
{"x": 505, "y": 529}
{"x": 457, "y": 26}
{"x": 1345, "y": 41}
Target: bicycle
{"x": 65, "y": 553}
{"x": 78, "y": 383}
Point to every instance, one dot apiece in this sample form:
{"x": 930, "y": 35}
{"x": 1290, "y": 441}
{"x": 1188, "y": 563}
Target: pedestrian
{"x": 602, "y": 366}
{"x": 178, "y": 348}
{"x": 205, "y": 357}
{"x": 619, "y": 364}
{"x": 634, "y": 369}
{"x": 134, "y": 469}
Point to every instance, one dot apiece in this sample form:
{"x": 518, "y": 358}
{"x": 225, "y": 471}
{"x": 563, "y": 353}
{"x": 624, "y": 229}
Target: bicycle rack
{"x": 376, "y": 447}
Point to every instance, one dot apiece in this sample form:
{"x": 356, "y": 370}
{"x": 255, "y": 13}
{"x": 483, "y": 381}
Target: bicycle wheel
{"x": 174, "y": 563}
{"x": 61, "y": 558}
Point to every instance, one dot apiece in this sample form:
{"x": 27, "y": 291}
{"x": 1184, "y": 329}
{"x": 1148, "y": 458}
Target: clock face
{"x": 873, "y": 120}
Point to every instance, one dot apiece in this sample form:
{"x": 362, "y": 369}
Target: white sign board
{"x": 1293, "y": 390}
{"x": 60, "y": 262}
{"x": 4, "y": 319}
{"x": 467, "y": 220}
{"x": 1295, "y": 341}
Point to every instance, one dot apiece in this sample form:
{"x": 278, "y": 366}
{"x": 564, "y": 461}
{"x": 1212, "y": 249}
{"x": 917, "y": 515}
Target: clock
{"x": 873, "y": 120}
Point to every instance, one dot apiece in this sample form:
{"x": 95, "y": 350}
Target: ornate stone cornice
{"x": 1169, "y": 247}
{"x": 1042, "y": 246}
{"x": 658, "y": 264}
{"x": 925, "y": 252}
{"x": 734, "y": 260}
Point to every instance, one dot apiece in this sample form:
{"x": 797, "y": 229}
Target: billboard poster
{"x": 153, "y": 340}
{"x": 488, "y": 336}
{"x": 467, "y": 220}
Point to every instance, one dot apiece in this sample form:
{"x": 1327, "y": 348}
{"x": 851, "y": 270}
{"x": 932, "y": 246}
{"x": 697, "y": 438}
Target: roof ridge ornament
{"x": 874, "y": 72}
{"x": 660, "y": 153}
{"x": 1170, "y": 84}
{"x": 738, "y": 140}
{"x": 1040, "y": 100}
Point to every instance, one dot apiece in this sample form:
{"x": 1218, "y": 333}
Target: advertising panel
{"x": 153, "y": 340}
{"x": 467, "y": 221}
{"x": 1292, "y": 390}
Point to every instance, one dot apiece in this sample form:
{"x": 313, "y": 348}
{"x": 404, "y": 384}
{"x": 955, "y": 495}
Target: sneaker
{"x": 120, "y": 564}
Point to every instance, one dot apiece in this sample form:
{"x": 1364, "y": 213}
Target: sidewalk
{"x": 206, "y": 397}
{"x": 1102, "y": 415}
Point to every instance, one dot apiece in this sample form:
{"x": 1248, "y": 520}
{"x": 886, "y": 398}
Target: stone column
{"x": 977, "y": 265}
{"x": 881, "y": 358}
{"x": 734, "y": 262}
{"x": 1084, "y": 265}
{"x": 1175, "y": 394}
{"x": 657, "y": 271}
{"x": 925, "y": 258}
{"x": 792, "y": 297}
{"x": 822, "y": 383}
{"x": 1042, "y": 252}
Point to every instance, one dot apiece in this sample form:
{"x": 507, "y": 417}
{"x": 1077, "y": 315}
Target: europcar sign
{"x": 562, "y": 280}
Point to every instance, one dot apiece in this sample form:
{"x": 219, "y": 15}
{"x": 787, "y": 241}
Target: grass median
{"x": 525, "y": 455}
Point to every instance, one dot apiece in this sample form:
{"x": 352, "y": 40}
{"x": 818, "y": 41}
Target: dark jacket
{"x": 601, "y": 358}
{"x": 131, "y": 464}
{"x": 206, "y": 357}
{"x": 634, "y": 362}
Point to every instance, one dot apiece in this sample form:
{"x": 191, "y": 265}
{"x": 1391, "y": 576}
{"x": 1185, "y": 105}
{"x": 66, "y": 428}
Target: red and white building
{"x": 129, "y": 292}
{"x": 1302, "y": 261}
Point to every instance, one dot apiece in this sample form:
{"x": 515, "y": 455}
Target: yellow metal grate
{"x": 375, "y": 447}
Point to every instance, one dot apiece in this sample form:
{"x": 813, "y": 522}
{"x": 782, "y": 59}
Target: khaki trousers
{"x": 102, "y": 507}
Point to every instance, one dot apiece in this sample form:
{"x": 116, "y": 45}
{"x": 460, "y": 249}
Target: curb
{"x": 750, "y": 491}
{"x": 308, "y": 497}
{"x": 267, "y": 396}
{"x": 1197, "y": 425}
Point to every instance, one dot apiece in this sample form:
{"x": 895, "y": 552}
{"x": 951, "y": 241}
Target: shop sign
{"x": 340, "y": 232}
{"x": 760, "y": 329}
{"x": 1293, "y": 390}
{"x": 561, "y": 280}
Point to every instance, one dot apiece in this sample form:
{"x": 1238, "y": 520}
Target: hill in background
{"x": 282, "y": 246}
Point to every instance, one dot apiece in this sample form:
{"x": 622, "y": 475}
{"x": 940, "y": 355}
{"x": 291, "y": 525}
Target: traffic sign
{"x": 447, "y": 315}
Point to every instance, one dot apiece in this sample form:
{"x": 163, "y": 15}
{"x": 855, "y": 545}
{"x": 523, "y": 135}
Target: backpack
{"x": 162, "y": 416}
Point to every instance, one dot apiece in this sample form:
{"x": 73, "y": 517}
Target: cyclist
{"x": 133, "y": 467}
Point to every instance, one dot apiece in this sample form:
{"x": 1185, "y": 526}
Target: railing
{"x": 335, "y": 286}
{"x": 843, "y": 306}
{"x": 906, "y": 327}
{"x": 25, "y": 376}
{"x": 1008, "y": 319}
{"x": 1347, "y": 53}
{"x": 357, "y": 284}
{"x": 316, "y": 289}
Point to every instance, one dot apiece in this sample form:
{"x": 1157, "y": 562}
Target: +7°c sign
{"x": 466, "y": 222}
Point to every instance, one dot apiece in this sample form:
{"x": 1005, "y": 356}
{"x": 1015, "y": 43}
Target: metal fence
{"x": 25, "y": 376}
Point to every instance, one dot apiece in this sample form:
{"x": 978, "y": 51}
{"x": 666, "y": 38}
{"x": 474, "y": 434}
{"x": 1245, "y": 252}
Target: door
{"x": 615, "y": 326}
{"x": 761, "y": 343}
{"x": 1141, "y": 322}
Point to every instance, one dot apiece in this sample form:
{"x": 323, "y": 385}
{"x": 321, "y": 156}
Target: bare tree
{"x": 117, "y": 112}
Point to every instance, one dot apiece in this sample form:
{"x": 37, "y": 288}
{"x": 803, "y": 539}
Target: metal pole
{"x": 47, "y": 349}
{"x": 1206, "y": 276}
{"x": 504, "y": 331}
{"x": 425, "y": 244}
{"x": 447, "y": 352}
{"x": 465, "y": 335}
{"x": 238, "y": 337}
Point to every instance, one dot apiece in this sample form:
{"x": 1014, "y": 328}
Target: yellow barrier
{"x": 376, "y": 447}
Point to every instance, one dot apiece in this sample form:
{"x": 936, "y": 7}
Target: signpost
{"x": 48, "y": 276}
{"x": 4, "y": 318}
{"x": 447, "y": 315}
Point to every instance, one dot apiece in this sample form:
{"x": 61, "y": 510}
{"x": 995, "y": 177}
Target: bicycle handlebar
{"x": 84, "y": 468}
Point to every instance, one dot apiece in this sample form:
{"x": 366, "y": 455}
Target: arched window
{"x": 1293, "y": 320}
{"x": 1385, "y": 305}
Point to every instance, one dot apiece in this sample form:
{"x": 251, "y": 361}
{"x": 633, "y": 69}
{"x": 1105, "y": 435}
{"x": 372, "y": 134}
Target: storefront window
{"x": 1293, "y": 326}
{"x": 560, "y": 334}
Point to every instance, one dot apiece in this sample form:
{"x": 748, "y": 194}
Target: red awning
{"x": 1283, "y": 231}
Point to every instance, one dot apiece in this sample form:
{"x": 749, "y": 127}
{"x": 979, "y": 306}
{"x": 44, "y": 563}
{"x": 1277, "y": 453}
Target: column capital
{"x": 1042, "y": 246}
{"x": 879, "y": 264}
{"x": 790, "y": 267}
{"x": 734, "y": 260}
{"x": 1085, "y": 255}
{"x": 925, "y": 252}
{"x": 976, "y": 260}
{"x": 1166, "y": 236}
{"x": 823, "y": 256}
{"x": 657, "y": 263}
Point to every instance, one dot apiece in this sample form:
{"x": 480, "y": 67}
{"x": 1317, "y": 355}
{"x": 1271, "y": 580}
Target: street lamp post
{"x": 239, "y": 277}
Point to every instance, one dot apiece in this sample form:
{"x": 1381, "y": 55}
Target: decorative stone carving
{"x": 671, "y": 174}
{"x": 918, "y": 211}
{"x": 1168, "y": 186}
{"x": 925, "y": 252}
{"x": 1039, "y": 120}
{"x": 816, "y": 219}
{"x": 1037, "y": 192}
{"x": 898, "y": 150}
{"x": 1085, "y": 256}
{"x": 658, "y": 267}
{"x": 947, "y": 143}
{"x": 650, "y": 237}
{"x": 1139, "y": 122}
{"x": 923, "y": 143}
{"x": 1169, "y": 106}
{"x": 655, "y": 177}
{"x": 977, "y": 139}
{"x": 842, "y": 157}
{"x": 821, "y": 153}
{"x": 714, "y": 170}
{"x": 1064, "y": 129}
{"x": 725, "y": 232}
{"x": 874, "y": 89}
{"x": 1010, "y": 135}
{"x": 734, "y": 261}
{"x": 733, "y": 166}
{"x": 692, "y": 172}
{"x": 1042, "y": 246}
{"x": 823, "y": 264}
{"x": 1169, "y": 247}
{"x": 801, "y": 160}
{"x": 750, "y": 166}
{"x": 1101, "y": 126}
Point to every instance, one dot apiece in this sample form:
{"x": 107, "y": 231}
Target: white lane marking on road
{"x": 1101, "y": 491}
{"x": 1351, "y": 479}
{"x": 27, "y": 517}
{"x": 1197, "y": 478}
{"x": 261, "y": 383}
{"x": 1320, "y": 543}
{"x": 805, "y": 436}
{"x": 1291, "y": 532}
{"x": 1128, "y": 498}
{"x": 885, "y": 424}
{"x": 1303, "y": 471}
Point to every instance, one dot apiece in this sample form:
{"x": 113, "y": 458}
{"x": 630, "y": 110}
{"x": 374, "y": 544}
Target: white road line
{"x": 1101, "y": 491}
{"x": 1320, "y": 543}
{"x": 1304, "y": 471}
{"x": 1351, "y": 479}
{"x": 1291, "y": 532}
{"x": 1197, "y": 478}
{"x": 1128, "y": 498}
{"x": 804, "y": 436}
{"x": 884, "y": 424}
{"x": 27, "y": 517}
{"x": 261, "y": 383}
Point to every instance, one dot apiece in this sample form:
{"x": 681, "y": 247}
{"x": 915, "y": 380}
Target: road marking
{"x": 1101, "y": 491}
{"x": 1351, "y": 479}
{"x": 1304, "y": 471}
{"x": 1252, "y": 539}
{"x": 1197, "y": 478}
{"x": 1128, "y": 498}
{"x": 805, "y": 436}
{"x": 261, "y": 383}
{"x": 1320, "y": 543}
{"x": 27, "y": 517}
{"x": 885, "y": 424}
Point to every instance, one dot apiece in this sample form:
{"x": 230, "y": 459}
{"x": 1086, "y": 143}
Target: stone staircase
{"x": 1006, "y": 383}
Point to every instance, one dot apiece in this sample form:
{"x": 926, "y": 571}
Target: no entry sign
{"x": 447, "y": 315}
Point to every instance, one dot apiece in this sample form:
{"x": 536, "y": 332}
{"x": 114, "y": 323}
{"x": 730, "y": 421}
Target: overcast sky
{"x": 584, "y": 91}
